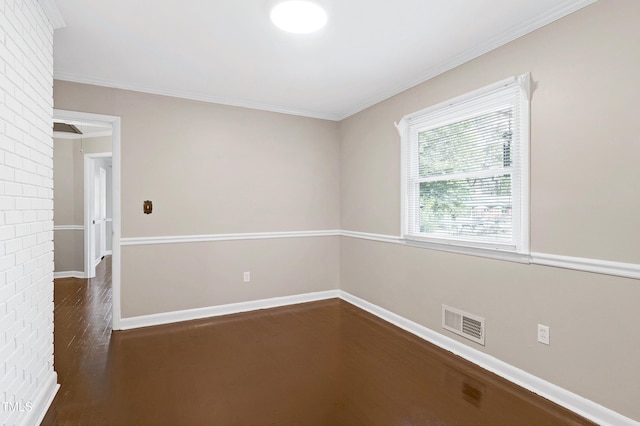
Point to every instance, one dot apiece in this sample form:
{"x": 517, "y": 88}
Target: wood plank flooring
{"x": 321, "y": 363}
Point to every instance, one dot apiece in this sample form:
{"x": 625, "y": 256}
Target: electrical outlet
{"x": 247, "y": 277}
{"x": 543, "y": 334}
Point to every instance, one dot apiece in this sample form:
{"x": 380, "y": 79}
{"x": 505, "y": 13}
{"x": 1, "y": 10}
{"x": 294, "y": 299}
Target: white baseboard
{"x": 69, "y": 274}
{"x": 43, "y": 401}
{"x": 560, "y": 396}
{"x": 232, "y": 308}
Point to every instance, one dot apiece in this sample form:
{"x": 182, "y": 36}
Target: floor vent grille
{"x": 463, "y": 324}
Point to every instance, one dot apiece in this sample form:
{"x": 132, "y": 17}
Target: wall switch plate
{"x": 247, "y": 277}
{"x": 543, "y": 334}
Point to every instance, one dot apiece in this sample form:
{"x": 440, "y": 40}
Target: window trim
{"x": 445, "y": 111}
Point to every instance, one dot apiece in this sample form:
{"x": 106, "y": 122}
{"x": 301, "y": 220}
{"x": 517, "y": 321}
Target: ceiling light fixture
{"x": 298, "y": 16}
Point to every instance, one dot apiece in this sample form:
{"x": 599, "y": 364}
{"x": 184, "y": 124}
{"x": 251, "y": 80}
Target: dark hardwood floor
{"x": 321, "y": 363}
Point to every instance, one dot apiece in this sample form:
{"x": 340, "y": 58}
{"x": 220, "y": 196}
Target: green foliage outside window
{"x": 465, "y": 180}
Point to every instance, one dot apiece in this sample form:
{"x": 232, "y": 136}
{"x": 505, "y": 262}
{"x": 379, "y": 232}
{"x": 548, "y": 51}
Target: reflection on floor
{"x": 321, "y": 363}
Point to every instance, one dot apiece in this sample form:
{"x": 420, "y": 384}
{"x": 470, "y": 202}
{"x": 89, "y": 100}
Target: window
{"x": 465, "y": 171}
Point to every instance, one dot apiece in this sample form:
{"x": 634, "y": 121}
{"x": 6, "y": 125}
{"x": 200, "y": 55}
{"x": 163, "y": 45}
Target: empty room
{"x": 264, "y": 212}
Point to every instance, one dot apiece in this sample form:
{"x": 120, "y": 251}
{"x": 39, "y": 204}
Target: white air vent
{"x": 464, "y": 324}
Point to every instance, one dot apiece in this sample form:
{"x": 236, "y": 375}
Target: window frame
{"x": 463, "y": 107}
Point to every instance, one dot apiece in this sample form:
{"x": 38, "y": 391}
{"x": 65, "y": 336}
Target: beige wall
{"x": 63, "y": 183}
{"x": 68, "y": 198}
{"x": 584, "y": 203}
{"x": 171, "y": 277}
{"x": 213, "y": 169}
{"x": 68, "y": 246}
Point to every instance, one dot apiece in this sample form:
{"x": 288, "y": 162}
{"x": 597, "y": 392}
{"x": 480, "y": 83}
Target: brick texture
{"x": 27, "y": 378}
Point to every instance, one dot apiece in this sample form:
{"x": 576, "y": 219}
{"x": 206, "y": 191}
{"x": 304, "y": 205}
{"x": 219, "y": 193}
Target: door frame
{"x": 89, "y": 203}
{"x": 116, "y": 191}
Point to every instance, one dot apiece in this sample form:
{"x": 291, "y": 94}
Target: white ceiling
{"x": 227, "y": 51}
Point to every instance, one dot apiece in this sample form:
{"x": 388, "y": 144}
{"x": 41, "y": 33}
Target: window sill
{"x": 491, "y": 253}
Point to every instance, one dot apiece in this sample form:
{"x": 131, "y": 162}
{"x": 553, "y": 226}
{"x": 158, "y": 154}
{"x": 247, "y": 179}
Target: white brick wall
{"x": 27, "y": 379}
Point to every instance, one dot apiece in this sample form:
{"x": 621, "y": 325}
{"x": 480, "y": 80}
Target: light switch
{"x": 147, "y": 207}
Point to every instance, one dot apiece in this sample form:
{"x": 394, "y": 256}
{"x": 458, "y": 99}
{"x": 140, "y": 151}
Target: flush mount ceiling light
{"x": 298, "y": 16}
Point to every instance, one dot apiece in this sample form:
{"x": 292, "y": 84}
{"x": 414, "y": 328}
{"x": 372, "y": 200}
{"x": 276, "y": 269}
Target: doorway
{"x": 98, "y": 209}
{"x": 100, "y": 191}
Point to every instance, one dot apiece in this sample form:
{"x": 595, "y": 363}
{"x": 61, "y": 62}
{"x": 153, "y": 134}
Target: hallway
{"x": 82, "y": 334}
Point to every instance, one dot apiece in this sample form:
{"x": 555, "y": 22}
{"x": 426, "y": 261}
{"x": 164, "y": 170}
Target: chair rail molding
{"x": 598, "y": 266}
{"x": 136, "y": 241}
{"x": 68, "y": 228}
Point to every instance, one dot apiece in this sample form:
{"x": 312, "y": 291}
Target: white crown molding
{"x": 560, "y": 396}
{"x": 515, "y": 32}
{"x": 231, "y": 308}
{"x": 75, "y": 78}
{"x": 53, "y": 13}
{"x": 68, "y": 228}
{"x": 136, "y": 241}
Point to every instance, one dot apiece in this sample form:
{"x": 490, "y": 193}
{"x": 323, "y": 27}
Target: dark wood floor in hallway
{"x": 321, "y": 363}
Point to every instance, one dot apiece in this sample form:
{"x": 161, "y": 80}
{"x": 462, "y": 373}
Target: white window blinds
{"x": 465, "y": 169}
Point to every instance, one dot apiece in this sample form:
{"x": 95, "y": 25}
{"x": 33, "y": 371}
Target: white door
{"x": 100, "y": 214}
